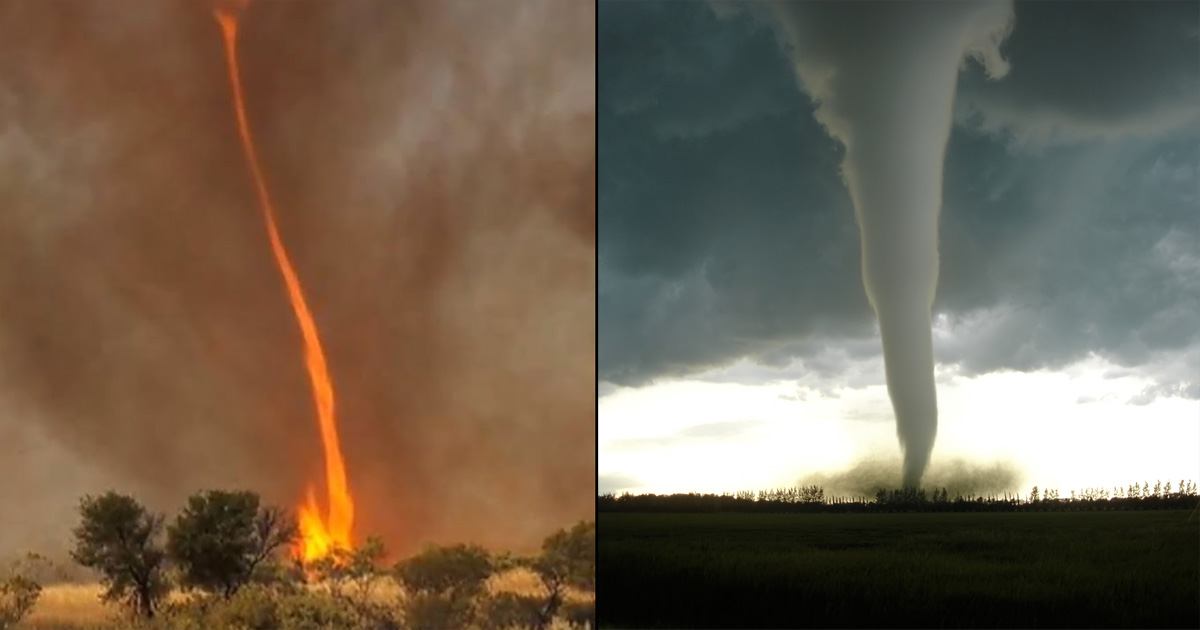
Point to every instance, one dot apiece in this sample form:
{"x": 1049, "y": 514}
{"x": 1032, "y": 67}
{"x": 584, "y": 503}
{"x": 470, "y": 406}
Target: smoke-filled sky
{"x": 737, "y": 345}
{"x": 433, "y": 170}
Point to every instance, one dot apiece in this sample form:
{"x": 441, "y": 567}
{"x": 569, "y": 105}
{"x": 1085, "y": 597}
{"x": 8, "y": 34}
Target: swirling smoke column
{"x": 883, "y": 77}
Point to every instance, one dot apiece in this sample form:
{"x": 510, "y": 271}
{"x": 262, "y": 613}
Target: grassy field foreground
{"x": 963, "y": 570}
{"x": 78, "y": 606}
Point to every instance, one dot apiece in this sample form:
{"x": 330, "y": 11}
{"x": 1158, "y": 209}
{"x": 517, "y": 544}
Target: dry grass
{"x": 73, "y": 607}
{"x": 68, "y": 606}
{"x": 78, "y": 606}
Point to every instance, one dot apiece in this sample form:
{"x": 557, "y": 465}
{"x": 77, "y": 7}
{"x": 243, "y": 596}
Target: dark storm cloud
{"x": 433, "y": 168}
{"x": 1068, "y": 219}
{"x": 705, "y": 254}
{"x": 1105, "y": 70}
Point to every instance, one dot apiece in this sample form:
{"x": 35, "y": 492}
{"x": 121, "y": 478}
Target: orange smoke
{"x": 319, "y": 535}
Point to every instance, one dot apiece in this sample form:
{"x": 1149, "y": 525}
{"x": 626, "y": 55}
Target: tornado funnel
{"x": 883, "y": 76}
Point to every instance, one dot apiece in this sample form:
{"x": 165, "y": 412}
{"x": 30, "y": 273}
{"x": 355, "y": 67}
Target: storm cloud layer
{"x": 1068, "y": 202}
{"x": 433, "y": 168}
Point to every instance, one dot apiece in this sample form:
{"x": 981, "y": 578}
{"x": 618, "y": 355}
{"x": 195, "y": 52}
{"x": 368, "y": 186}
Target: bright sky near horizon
{"x": 737, "y": 349}
{"x": 1068, "y": 429}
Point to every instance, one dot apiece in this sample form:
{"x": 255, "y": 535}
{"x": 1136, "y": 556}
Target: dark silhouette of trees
{"x": 1140, "y": 497}
{"x": 120, "y": 539}
{"x": 222, "y": 537}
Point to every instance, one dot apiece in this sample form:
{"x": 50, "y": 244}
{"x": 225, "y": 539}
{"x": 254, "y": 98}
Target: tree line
{"x": 233, "y": 557}
{"x": 813, "y": 499}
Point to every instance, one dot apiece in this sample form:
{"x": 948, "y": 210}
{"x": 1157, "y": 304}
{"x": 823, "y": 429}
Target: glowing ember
{"x": 319, "y": 535}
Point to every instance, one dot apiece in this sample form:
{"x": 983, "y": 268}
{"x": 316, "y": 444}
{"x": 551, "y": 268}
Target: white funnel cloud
{"x": 883, "y": 77}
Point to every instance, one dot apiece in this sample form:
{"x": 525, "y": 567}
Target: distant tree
{"x": 1167, "y": 488}
{"x": 221, "y": 537}
{"x": 1157, "y": 488}
{"x": 1033, "y": 495}
{"x": 120, "y": 539}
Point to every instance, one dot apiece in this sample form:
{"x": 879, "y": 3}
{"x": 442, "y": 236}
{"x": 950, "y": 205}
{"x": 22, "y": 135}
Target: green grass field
{"x": 1136, "y": 569}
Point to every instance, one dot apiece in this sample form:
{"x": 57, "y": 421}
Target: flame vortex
{"x": 319, "y": 535}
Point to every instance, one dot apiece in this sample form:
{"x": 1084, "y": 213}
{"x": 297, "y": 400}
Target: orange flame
{"x": 319, "y": 536}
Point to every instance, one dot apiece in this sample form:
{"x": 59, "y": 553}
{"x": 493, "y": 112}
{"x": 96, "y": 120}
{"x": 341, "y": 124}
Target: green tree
{"x": 221, "y": 537}
{"x": 1033, "y": 495}
{"x": 120, "y": 539}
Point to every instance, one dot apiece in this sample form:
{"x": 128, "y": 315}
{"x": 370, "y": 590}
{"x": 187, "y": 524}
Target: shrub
{"x": 20, "y": 587}
{"x": 351, "y": 576}
{"x": 431, "y": 610}
{"x": 18, "y": 594}
{"x": 257, "y": 607}
{"x": 459, "y": 570}
{"x": 509, "y": 610}
{"x": 441, "y": 584}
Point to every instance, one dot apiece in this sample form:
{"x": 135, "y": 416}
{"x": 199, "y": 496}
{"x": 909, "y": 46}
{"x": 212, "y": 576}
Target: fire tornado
{"x": 319, "y": 534}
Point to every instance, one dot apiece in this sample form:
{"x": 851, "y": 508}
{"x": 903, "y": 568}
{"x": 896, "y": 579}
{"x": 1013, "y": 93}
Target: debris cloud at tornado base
{"x": 433, "y": 170}
{"x": 882, "y": 76}
{"x": 960, "y": 477}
